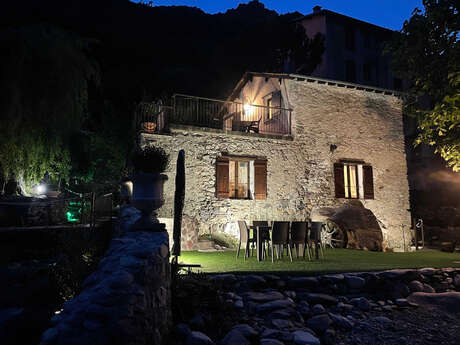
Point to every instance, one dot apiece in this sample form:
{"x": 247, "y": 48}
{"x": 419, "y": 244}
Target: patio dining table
{"x": 259, "y": 229}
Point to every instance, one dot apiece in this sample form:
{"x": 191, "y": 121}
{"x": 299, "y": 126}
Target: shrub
{"x": 150, "y": 160}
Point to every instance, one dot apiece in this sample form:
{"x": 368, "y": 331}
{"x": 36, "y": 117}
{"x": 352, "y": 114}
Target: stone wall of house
{"x": 285, "y": 191}
{"x": 361, "y": 124}
{"x": 126, "y": 301}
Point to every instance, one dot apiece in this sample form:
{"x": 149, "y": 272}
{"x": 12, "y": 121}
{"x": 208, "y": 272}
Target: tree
{"x": 426, "y": 52}
{"x": 44, "y": 100}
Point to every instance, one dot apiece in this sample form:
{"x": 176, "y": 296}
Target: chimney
{"x": 316, "y": 9}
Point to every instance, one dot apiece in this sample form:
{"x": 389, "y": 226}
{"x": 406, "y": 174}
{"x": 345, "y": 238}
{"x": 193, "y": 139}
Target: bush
{"x": 150, "y": 160}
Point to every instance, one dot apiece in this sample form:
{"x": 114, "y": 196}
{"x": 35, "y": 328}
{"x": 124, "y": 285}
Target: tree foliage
{"x": 427, "y": 53}
{"x": 44, "y": 100}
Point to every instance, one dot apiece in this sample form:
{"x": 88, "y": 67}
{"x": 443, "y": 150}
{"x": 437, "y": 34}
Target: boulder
{"x": 358, "y": 224}
{"x": 448, "y": 301}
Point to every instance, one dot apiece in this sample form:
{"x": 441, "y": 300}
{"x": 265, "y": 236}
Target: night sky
{"x": 387, "y": 13}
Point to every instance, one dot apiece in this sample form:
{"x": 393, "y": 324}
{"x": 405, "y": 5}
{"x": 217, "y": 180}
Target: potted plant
{"x": 149, "y": 165}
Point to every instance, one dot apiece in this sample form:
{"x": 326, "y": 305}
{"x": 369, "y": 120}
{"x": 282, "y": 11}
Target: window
{"x": 367, "y": 72}
{"x": 349, "y": 38}
{"x": 350, "y": 71}
{"x": 272, "y": 101}
{"x": 353, "y": 180}
{"x": 241, "y": 178}
{"x": 367, "y": 41}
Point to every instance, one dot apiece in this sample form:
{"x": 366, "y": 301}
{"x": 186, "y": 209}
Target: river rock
{"x": 361, "y": 303}
{"x": 263, "y": 296}
{"x": 319, "y": 298}
{"x": 234, "y": 337}
{"x": 354, "y": 282}
{"x": 318, "y": 309}
{"x": 305, "y": 338}
{"x": 328, "y": 337}
{"x": 341, "y": 322}
{"x": 246, "y": 330}
{"x": 416, "y": 286}
{"x": 268, "y": 341}
{"x": 282, "y": 324}
{"x": 428, "y": 288}
{"x": 224, "y": 278}
{"x": 198, "y": 338}
{"x": 182, "y": 331}
{"x": 303, "y": 282}
{"x": 319, "y": 323}
{"x": 273, "y": 305}
{"x": 277, "y": 334}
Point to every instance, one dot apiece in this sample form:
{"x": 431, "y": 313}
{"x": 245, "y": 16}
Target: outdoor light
{"x": 248, "y": 109}
{"x": 40, "y": 189}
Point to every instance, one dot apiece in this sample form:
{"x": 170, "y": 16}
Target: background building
{"x": 353, "y": 49}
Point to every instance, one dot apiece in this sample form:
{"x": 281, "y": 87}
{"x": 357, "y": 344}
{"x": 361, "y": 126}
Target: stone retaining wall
{"x": 268, "y": 309}
{"x": 127, "y": 300}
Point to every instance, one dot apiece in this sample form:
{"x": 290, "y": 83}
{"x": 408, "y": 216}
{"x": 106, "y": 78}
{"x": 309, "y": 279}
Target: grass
{"x": 336, "y": 260}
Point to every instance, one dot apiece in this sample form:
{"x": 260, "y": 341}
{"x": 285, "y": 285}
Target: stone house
{"x": 282, "y": 147}
{"x": 353, "y": 49}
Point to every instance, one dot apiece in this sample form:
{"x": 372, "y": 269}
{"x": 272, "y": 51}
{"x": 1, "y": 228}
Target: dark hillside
{"x": 158, "y": 50}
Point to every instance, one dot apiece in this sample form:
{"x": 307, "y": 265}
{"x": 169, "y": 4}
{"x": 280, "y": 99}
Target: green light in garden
{"x": 73, "y": 211}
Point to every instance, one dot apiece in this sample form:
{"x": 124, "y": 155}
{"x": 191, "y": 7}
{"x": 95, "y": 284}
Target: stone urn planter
{"x": 148, "y": 181}
{"x": 148, "y": 197}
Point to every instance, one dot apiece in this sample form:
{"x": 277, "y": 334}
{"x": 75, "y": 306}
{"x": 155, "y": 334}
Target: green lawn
{"x": 336, "y": 260}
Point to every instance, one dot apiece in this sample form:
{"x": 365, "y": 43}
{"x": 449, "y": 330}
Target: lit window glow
{"x": 248, "y": 109}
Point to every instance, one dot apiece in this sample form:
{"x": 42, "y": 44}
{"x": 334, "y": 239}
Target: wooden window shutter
{"x": 339, "y": 180}
{"x": 222, "y": 182}
{"x": 368, "y": 182}
{"x": 260, "y": 180}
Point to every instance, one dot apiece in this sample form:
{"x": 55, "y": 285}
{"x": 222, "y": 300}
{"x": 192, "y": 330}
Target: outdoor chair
{"x": 265, "y": 235}
{"x": 246, "y": 238}
{"x": 254, "y": 126}
{"x": 299, "y": 237}
{"x": 315, "y": 237}
{"x": 280, "y": 238}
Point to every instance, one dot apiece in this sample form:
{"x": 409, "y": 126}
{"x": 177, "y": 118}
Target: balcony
{"x": 207, "y": 113}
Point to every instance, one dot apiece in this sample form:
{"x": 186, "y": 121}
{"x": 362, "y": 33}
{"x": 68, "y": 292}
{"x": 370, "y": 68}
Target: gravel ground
{"x": 424, "y": 325}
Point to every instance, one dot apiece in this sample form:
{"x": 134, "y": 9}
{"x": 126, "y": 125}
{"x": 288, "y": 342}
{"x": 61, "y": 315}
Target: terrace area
{"x": 207, "y": 113}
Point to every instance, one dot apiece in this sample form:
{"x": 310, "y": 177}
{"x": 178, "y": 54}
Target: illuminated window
{"x": 350, "y": 174}
{"x": 353, "y": 180}
{"x": 241, "y": 178}
{"x": 238, "y": 179}
{"x": 272, "y": 101}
